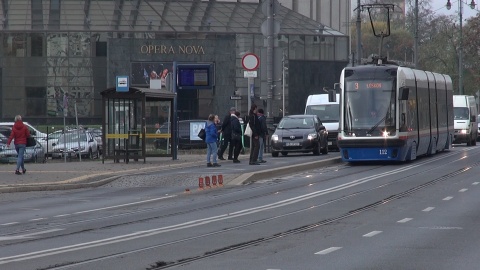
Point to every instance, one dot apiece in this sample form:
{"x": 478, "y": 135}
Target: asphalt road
{"x": 417, "y": 215}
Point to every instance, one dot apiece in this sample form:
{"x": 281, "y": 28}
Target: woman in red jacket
{"x": 19, "y": 134}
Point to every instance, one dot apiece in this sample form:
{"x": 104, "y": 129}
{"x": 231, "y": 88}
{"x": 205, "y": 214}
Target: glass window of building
{"x": 296, "y": 47}
{"x": 327, "y": 49}
{"x": 341, "y": 48}
{"x": 312, "y": 48}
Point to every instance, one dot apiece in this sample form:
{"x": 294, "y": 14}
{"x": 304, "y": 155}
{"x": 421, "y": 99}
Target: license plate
{"x": 292, "y": 144}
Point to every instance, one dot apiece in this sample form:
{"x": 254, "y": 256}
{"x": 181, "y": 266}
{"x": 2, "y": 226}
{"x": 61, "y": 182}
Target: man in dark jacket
{"x": 227, "y": 135}
{"x": 263, "y": 135}
{"x": 19, "y": 134}
{"x": 254, "y": 124}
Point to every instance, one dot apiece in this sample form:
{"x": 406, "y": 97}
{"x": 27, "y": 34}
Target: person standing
{"x": 255, "y": 127}
{"x": 19, "y": 134}
{"x": 236, "y": 138}
{"x": 211, "y": 140}
{"x": 227, "y": 135}
{"x": 263, "y": 135}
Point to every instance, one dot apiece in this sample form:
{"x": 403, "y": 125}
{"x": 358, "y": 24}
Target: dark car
{"x": 299, "y": 133}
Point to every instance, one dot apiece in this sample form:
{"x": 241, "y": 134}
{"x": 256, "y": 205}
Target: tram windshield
{"x": 369, "y": 108}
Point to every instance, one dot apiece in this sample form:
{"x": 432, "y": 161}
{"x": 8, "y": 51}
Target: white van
{"x": 329, "y": 114}
{"x": 33, "y": 131}
{"x": 465, "y": 119}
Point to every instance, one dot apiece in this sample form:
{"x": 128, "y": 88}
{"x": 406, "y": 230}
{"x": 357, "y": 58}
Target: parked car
{"x": 5, "y": 131}
{"x": 97, "y": 135}
{"x": 47, "y": 142}
{"x": 299, "y": 133}
{"x": 32, "y": 154}
{"x": 33, "y": 131}
{"x": 478, "y": 124}
{"x": 69, "y": 143}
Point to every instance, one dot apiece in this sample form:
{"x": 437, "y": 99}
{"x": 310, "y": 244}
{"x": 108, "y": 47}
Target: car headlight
{"x": 27, "y": 156}
{"x": 312, "y": 136}
{"x": 274, "y": 137}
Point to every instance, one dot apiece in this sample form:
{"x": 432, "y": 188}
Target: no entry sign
{"x": 250, "y": 62}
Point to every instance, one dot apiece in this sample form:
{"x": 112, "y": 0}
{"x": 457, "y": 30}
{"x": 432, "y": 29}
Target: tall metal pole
{"x": 460, "y": 50}
{"x": 270, "y": 22}
{"x": 283, "y": 85}
{"x": 415, "y": 48}
{"x": 359, "y": 35}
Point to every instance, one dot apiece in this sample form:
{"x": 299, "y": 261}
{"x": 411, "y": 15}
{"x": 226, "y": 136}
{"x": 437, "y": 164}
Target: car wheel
{"x": 284, "y": 154}
{"x": 324, "y": 150}
{"x": 274, "y": 154}
{"x": 316, "y": 150}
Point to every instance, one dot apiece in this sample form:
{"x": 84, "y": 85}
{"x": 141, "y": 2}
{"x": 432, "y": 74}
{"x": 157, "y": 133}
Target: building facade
{"x": 58, "y": 55}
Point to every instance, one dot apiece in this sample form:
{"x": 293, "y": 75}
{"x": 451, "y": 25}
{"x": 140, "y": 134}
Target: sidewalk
{"x": 60, "y": 175}
{"x": 57, "y": 174}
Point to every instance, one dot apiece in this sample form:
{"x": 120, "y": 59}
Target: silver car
{"x": 32, "y": 154}
{"x": 74, "y": 142}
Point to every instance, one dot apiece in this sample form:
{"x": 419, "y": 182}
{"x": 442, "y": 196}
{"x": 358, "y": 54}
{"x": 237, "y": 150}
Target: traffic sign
{"x": 250, "y": 74}
{"x": 235, "y": 97}
{"x": 250, "y": 61}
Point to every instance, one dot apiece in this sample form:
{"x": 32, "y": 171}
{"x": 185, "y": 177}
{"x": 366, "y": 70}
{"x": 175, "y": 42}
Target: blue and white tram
{"x": 393, "y": 113}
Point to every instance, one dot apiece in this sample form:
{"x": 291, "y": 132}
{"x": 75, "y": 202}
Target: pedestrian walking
{"x": 19, "y": 135}
{"x": 255, "y": 127}
{"x": 227, "y": 135}
{"x": 263, "y": 135}
{"x": 236, "y": 137}
{"x": 211, "y": 140}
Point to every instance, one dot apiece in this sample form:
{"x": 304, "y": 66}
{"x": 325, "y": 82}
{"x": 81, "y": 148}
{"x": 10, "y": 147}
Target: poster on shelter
{"x": 142, "y": 72}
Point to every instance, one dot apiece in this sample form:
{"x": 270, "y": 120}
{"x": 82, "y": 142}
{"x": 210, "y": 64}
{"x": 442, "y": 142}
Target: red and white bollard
{"x": 214, "y": 180}
{"x": 207, "y": 181}
{"x": 220, "y": 180}
{"x": 200, "y": 183}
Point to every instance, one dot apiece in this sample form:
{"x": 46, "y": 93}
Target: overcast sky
{"x": 438, "y": 6}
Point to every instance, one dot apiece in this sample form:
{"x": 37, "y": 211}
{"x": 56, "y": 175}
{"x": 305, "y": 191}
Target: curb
{"x": 248, "y": 178}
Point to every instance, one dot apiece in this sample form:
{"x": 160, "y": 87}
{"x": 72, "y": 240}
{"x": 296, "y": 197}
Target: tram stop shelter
{"x": 136, "y": 123}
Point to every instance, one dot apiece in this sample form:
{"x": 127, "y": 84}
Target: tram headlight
{"x": 385, "y": 133}
{"x": 312, "y": 136}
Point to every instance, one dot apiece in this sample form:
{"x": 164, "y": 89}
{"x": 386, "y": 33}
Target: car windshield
{"x": 296, "y": 123}
{"x": 460, "y": 113}
{"x": 72, "y": 137}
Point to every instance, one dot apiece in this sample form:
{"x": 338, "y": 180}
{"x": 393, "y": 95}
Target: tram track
{"x": 165, "y": 265}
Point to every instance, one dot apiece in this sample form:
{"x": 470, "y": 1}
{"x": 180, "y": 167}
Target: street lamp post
{"x": 460, "y": 47}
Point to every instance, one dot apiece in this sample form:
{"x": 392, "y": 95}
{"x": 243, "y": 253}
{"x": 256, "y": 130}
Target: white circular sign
{"x": 250, "y": 62}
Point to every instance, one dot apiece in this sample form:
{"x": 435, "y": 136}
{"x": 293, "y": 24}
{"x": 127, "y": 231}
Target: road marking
{"x": 475, "y": 183}
{"x": 463, "y": 190}
{"x": 64, "y": 215}
{"x": 328, "y": 250}
{"x": 127, "y": 204}
{"x": 28, "y": 235}
{"x": 370, "y": 234}
{"x": 207, "y": 220}
{"x": 448, "y": 198}
{"x": 405, "y": 220}
{"x": 36, "y": 219}
{"x": 11, "y": 223}
{"x": 428, "y": 209}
